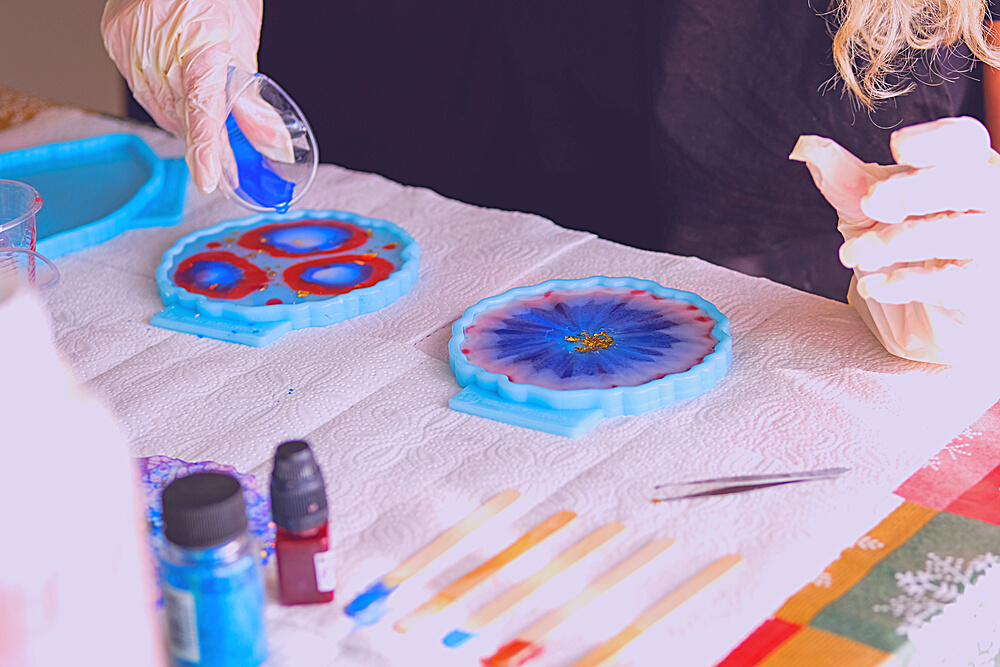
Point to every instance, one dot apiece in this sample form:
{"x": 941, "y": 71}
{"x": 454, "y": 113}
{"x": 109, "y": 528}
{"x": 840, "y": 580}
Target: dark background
{"x": 661, "y": 125}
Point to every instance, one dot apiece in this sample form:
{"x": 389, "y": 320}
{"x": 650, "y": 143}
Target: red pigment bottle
{"x": 298, "y": 508}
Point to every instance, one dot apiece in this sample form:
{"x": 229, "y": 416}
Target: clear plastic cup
{"x": 19, "y": 204}
{"x": 269, "y": 156}
{"x": 19, "y": 263}
{"x": 26, "y": 267}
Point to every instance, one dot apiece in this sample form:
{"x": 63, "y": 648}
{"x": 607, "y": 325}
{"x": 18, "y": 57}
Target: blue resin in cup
{"x": 269, "y": 156}
{"x": 210, "y": 573}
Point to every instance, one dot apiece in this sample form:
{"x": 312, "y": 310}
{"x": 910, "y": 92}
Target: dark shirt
{"x": 663, "y": 125}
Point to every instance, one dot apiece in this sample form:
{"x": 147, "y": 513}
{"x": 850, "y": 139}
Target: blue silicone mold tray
{"x": 253, "y": 280}
{"x": 93, "y": 189}
{"x": 564, "y": 354}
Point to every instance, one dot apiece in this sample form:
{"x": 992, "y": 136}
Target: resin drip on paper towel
{"x": 251, "y": 281}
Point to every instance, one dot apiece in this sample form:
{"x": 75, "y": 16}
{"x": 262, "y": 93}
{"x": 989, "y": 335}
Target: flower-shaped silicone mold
{"x": 254, "y": 279}
{"x": 616, "y": 345}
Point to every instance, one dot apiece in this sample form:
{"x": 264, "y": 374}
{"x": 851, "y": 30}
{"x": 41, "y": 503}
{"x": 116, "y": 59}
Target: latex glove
{"x": 174, "y": 55}
{"x": 75, "y": 579}
{"x": 923, "y": 236}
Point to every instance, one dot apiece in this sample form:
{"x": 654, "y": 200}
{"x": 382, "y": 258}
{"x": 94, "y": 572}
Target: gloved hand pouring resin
{"x": 175, "y": 54}
{"x": 923, "y": 236}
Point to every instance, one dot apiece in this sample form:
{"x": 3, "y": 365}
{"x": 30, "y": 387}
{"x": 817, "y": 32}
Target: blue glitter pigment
{"x": 211, "y": 578}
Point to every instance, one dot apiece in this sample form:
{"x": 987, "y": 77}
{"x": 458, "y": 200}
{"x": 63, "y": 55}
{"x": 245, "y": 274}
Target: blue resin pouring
{"x": 269, "y": 152}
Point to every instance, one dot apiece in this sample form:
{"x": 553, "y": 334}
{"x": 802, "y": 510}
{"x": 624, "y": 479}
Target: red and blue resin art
{"x": 252, "y": 280}
{"x": 277, "y": 263}
{"x": 221, "y": 275}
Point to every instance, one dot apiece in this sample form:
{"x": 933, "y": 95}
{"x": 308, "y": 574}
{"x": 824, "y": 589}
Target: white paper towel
{"x": 809, "y": 388}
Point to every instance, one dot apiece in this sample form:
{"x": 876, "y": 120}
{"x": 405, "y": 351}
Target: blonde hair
{"x": 877, "y": 40}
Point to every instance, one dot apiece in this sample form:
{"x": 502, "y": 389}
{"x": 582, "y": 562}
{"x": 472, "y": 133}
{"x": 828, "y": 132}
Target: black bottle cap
{"x": 203, "y": 510}
{"x": 298, "y": 494}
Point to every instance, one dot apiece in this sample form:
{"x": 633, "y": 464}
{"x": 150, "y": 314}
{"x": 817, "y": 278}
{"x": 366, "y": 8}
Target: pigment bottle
{"x": 298, "y": 509}
{"x": 213, "y": 590}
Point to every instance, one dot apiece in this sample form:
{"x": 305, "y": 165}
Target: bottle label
{"x": 326, "y": 577}
{"x": 182, "y": 624}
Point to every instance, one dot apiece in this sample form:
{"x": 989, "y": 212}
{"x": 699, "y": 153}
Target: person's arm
{"x": 991, "y": 92}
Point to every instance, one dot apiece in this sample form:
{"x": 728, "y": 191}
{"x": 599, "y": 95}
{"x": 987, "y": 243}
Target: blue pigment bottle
{"x": 210, "y": 572}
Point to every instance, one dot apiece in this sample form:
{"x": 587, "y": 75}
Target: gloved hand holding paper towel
{"x": 923, "y": 236}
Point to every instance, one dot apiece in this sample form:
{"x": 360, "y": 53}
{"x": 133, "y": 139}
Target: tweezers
{"x": 721, "y": 486}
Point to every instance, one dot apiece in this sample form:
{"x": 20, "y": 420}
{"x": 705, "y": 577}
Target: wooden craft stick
{"x": 450, "y": 538}
{"x": 370, "y": 605}
{"x": 515, "y": 595}
{"x": 610, "y": 579}
{"x": 466, "y": 583}
{"x": 603, "y": 654}
{"x": 529, "y": 643}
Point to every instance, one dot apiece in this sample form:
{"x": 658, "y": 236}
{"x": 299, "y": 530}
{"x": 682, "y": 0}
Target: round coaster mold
{"x": 607, "y": 331}
{"x": 254, "y": 279}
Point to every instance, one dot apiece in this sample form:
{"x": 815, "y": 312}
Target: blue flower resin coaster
{"x": 255, "y": 279}
{"x": 562, "y": 355}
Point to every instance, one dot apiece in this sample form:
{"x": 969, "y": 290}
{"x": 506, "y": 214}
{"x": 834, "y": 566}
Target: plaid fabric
{"x": 924, "y": 555}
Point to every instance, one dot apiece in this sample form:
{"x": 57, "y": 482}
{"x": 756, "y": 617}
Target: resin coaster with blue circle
{"x": 562, "y": 355}
{"x": 253, "y": 280}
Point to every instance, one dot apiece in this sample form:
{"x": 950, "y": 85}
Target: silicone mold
{"x": 564, "y": 354}
{"x": 252, "y": 280}
{"x": 94, "y": 189}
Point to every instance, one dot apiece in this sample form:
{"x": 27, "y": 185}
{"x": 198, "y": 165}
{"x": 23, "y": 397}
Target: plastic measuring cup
{"x": 269, "y": 155}
{"x": 19, "y": 263}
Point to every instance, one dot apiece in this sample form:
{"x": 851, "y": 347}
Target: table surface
{"x": 953, "y": 499}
